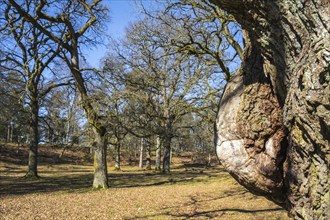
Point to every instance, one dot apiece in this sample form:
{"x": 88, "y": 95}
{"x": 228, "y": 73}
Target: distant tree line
{"x": 157, "y": 90}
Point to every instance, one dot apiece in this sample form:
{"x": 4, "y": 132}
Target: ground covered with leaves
{"x": 64, "y": 191}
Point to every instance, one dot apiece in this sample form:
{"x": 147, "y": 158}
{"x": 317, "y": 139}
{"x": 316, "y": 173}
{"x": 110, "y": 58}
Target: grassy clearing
{"x": 64, "y": 192}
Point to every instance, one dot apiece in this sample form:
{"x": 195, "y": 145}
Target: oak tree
{"x": 29, "y": 52}
{"x": 71, "y": 25}
{"x": 276, "y": 140}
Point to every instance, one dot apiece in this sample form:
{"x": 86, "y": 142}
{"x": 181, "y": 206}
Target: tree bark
{"x": 276, "y": 139}
{"x": 99, "y": 130}
{"x": 100, "y": 161}
{"x": 158, "y": 154}
{"x": 148, "y": 157}
{"x": 117, "y": 157}
{"x": 70, "y": 44}
{"x": 141, "y": 153}
{"x": 34, "y": 141}
{"x": 9, "y": 132}
{"x": 167, "y": 155}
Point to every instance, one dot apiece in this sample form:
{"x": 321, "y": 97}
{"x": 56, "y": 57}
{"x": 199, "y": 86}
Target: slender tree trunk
{"x": 8, "y": 132}
{"x": 18, "y": 142}
{"x": 148, "y": 157}
{"x": 158, "y": 154}
{"x": 62, "y": 152}
{"x": 27, "y": 141}
{"x": 171, "y": 154}
{"x": 67, "y": 135}
{"x": 11, "y": 133}
{"x": 276, "y": 141}
{"x": 141, "y": 153}
{"x": 136, "y": 150}
{"x": 117, "y": 157}
{"x": 167, "y": 155}
{"x": 33, "y": 147}
{"x": 209, "y": 160}
{"x": 48, "y": 140}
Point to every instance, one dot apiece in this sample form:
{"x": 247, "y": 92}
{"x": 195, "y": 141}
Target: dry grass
{"x": 64, "y": 192}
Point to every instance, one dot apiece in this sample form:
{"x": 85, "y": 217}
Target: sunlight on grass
{"x": 64, "y": 192}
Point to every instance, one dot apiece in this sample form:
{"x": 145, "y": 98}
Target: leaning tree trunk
{"x": 273, "y": 129}
{"x": 94, "y": 120}
{"x": 33, "y": 145}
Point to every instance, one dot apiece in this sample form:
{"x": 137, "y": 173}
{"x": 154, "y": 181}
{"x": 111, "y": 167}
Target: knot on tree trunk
{"x": 250, "y": 137}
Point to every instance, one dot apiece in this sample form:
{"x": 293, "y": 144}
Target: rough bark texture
{"x": 100, "y": 161}
{"x": 158, "y": 154}
{"x": 148, "y": 157}
{"x": 99, "y": 130}
{"x": 141, "y": 153}
{"x": 250, "y": 131}
{"x": 167, "y": 155}
{"x": 275, "y": 141}
{"x": 117, "y": 157}
{"x": 33, "y": 146}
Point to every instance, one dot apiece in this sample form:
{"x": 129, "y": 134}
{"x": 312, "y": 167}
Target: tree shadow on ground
{"x": 211, "y": 214}
{"x": 127, "y": 179}
{"x": 22, "y": 186}
{"x": 175, "y": 212}
{"x": 80, "y": 180}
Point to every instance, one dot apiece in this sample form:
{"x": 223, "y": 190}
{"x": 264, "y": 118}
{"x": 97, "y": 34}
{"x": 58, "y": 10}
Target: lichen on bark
{"x": 285, "y": 97}
{"x": 256, "y": 121}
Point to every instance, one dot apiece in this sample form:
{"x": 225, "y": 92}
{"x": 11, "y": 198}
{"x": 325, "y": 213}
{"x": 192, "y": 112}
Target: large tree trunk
{"x": 158, "y": 154}
{"x": 99, "y": 130}
{"x": 167, "y": 155}
{"x": 33, "y": 146}
{"x": 273, "y": 129}
{"x": 100, "y": 161}
{"x": 148, "y": 156}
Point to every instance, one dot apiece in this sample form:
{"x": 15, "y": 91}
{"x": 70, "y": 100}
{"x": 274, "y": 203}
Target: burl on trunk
{"x": 273, "y": 128}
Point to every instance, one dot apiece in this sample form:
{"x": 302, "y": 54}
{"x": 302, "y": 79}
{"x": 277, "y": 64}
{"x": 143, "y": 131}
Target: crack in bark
{"x": 297, "y": 69}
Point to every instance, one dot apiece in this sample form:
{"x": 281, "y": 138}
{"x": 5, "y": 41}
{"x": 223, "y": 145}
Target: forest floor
{"x": 63, "y": 191}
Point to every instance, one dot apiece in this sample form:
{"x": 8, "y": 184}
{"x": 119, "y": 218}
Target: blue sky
{"x": 122, "y": 12}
